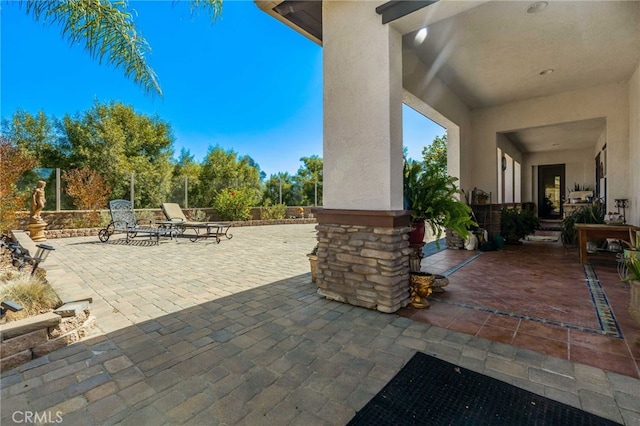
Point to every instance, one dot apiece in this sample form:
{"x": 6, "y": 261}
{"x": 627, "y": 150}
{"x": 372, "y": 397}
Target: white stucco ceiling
{"x": 492, "y": 54}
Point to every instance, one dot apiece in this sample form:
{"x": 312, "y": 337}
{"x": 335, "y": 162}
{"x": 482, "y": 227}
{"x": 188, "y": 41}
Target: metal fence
{"x": 179, "y": 190}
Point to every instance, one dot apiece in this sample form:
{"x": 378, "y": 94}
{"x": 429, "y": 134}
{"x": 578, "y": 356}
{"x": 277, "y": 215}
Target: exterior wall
{"x": 633, "y": 216}
{"x": 608, "y": 101}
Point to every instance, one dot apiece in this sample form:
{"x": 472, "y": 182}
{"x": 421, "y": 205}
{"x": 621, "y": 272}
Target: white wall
{"x": 633, "y": 216}
{"x": 609, "y": 101}
{"x": 579, "y": 168}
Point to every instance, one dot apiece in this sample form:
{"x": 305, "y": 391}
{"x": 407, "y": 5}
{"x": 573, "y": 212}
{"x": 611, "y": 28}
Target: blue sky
{"x": 246, "y": 82}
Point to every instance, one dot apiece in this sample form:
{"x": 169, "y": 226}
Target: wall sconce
{"x": 41, "y": 255}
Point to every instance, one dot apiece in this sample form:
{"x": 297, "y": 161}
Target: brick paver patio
{"x": 207, "y": 334}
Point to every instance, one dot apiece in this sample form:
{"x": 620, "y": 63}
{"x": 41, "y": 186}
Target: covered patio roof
{"x": 494, "y": 53}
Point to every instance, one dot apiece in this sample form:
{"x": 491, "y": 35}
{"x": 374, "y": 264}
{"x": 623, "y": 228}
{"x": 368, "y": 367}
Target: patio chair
{"x": 123, "y": 219}
{"x": 175, "y": 215}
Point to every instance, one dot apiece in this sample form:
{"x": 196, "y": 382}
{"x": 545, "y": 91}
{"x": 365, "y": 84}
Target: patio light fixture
{"x": 537, "y": 7}
{"x": 41, "y": 255}
{"x": 420, "y": 36}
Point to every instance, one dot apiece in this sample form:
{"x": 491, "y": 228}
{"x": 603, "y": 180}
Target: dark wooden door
{"x": 551, "y": 191}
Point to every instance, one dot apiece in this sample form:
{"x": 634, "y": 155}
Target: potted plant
{"x": 633, "y": 278}
{"x": 516, "y": 224}
{"x": 593, "y": 213}
{"x": 313, "y": 263}
{"x": 431, "y": 195}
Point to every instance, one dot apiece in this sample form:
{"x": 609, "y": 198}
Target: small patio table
{"x": 593, "y": 230}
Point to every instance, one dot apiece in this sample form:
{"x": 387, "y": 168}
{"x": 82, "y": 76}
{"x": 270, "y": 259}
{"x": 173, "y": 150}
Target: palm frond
{"x": 106, "y": 29}
{"x": 212, "y": 7}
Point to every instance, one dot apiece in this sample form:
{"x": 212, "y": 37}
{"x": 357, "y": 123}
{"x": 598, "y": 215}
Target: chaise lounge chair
{"x": 123, "y": 219}
{"x": 174, "y": 213}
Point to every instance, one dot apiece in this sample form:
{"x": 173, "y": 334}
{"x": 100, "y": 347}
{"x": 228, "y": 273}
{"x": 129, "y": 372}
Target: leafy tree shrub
{"x": 278, "y": 211}
{"x": 234, "y": 204}
{"x": 593, "y": 213}
{"x": 89, "y": 191}
{"x": 516, "y": 224}
{"x": 14, "y": 162}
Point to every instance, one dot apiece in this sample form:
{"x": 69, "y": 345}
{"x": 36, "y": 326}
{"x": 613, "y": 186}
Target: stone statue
{"x": 36, "y": 223}
{"x": 37, "y": 202}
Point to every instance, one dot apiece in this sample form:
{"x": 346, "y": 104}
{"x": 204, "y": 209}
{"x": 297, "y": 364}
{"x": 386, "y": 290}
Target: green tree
{"x": 107, "y": 30}
{"x": 14, "y": 161}
{"x": 38, "y": 134}
{"x": 226, "y": 170}
{"x": 115, "y": 141}
{"x": 308, "y": 174}
{"x": 435, "y": 155}
{"x": 272, "y": 190}
{"x": 185, "y": 167}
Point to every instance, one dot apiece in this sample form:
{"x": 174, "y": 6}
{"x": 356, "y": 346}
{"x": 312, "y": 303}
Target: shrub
{"x": 89, "y": 191}
{"x": 13, "y": 163}
{"x": 278, "y": 211}
{"x": 35, "y": 295}
{"x": 234, "y": 204}
{"x": 516, "y": 223}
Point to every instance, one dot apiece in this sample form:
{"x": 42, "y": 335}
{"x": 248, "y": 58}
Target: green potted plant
{"x": 633, "y": 278}
{"x": 431, "y": 195}
{"x": 313, "y": 263}
{"x": 516, "y": 224}
{"x": 593, "y": 213}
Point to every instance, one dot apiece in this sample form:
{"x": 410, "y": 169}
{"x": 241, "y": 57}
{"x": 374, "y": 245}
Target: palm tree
{"x": 108, "y": 32}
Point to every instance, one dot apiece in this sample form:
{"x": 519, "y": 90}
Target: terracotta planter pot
{"x": 416, "y": 235}
{"x": 313, "y": 263}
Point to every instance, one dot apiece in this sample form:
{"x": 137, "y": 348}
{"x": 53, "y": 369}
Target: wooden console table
{"x": 588, "y": 230}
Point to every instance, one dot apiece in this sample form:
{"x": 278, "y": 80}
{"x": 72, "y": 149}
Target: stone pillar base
{"x": 36, "y": 231}
{"x": 363, "y": 257}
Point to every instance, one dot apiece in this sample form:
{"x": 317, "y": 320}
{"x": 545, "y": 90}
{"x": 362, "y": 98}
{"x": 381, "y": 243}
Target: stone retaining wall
{"x": 68, "y": 219}
{"x": 364, "y": 266}
{"x": 33, "y": 337}
{"x": 88, "y": 232}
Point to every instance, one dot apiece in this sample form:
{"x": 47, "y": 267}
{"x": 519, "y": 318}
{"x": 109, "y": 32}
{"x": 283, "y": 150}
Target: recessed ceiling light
{"x": 547, "y": 71}
{"x": 537, "y": 7}
{"x": 421, "y": 35}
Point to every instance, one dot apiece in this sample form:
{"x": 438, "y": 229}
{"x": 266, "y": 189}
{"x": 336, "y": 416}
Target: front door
{"x": 550, "y": 191}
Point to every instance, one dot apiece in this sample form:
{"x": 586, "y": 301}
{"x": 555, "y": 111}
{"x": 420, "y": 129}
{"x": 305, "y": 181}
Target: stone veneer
{"x": 364, "y": 265}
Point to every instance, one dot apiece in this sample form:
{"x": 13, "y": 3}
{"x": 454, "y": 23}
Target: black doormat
{"x": 429, "y": 391}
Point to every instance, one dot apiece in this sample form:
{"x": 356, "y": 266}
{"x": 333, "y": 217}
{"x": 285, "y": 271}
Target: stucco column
{"x": 362, "y": 109}
{"x": 362, "y": 229}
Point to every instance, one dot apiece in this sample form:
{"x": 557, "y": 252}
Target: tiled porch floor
{"x": 537, "y": 296}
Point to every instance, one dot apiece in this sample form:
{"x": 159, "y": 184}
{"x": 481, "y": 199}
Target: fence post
{"x": 58, "y": 204}
{"x": 280, "y": 191}
{"x": 186, "y": 194}
{"x": 132, "y": 198}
